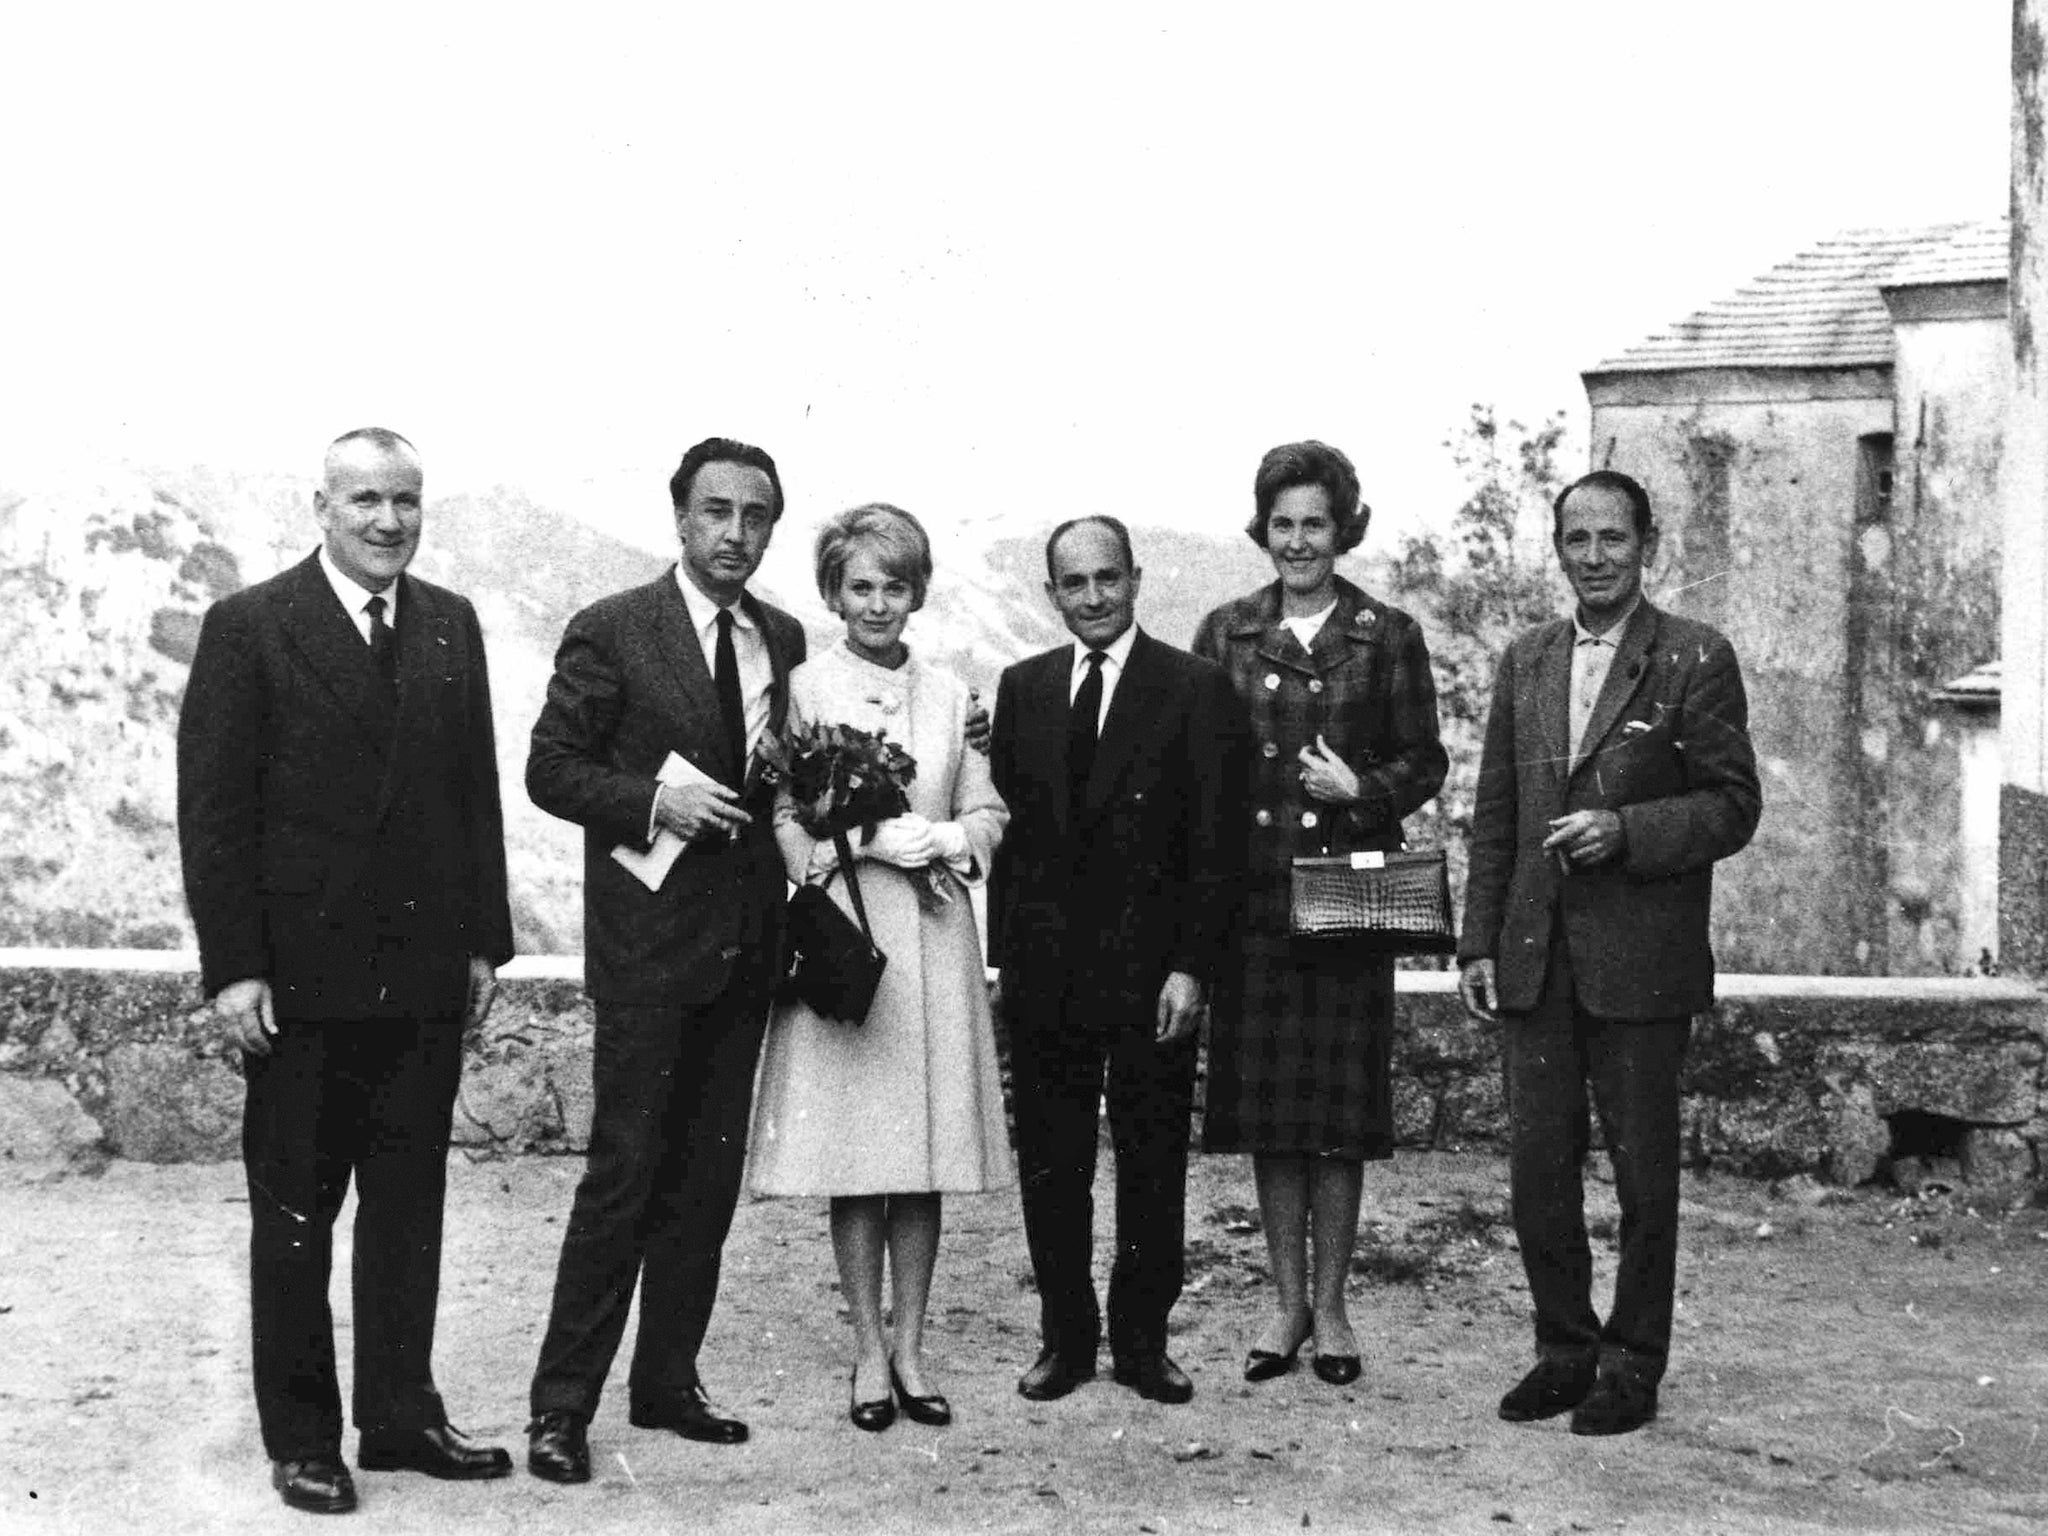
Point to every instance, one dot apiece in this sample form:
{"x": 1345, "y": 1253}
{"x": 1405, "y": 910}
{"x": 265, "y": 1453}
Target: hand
{"x": 1585, "y": 838}
{"x": 949, "y": 842}
{"x": 704, "y": 809}
{"x": 977, "y": 722}
{"x": 1479, "y": 990}
{"x": 1326, "y": 776}
{"x": 245, "y": 1007}
{"x": 483, "y": 991}
{"x": 1180, "y": 1008}
{"x": 905, "y": 841}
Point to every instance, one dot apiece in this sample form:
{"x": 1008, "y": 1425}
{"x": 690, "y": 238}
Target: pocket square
{"x": 1637, "y": 727}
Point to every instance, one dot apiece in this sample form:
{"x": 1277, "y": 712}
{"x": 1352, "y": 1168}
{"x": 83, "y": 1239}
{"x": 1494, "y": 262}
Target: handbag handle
{"x": 860, "y": 908}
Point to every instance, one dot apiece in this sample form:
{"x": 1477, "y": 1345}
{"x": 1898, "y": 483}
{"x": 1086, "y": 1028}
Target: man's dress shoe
{"x": 1052, "y": 1376}
{"x": 558, "y": 1447}
{"x": 1548, "y": 1390}
{"x": 319, "y": 1485}
{"x": 1155, "y": 1377}
{"x": 1617, "y": 1404}
{"x": 441, "y": 1450}
{"x": 690, "y": 1416}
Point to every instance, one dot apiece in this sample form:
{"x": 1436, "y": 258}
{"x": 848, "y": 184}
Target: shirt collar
{"x": 352, "y": 594}
{"x": 1613, "y": 633}
{"x": 704, "y": 612}
{"x": 1114, "y": 654}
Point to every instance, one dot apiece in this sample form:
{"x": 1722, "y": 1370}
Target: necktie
{"x": 383, "y": 643}
{"x": 1081, "y": 732}
{"x": 725, "y": 672}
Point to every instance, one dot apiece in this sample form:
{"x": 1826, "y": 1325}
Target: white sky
{"x": 1007, "y": 264}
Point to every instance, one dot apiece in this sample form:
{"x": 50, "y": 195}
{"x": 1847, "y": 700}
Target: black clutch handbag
{"x": 833, "y": 966}
{"x": 1397, "y": 903}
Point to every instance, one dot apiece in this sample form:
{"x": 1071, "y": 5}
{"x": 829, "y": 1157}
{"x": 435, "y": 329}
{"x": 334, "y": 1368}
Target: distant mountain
{"x": 104, "y": 576}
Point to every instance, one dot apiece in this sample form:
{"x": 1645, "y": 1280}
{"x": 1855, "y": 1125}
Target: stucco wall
{"x": 1756, "y": 494}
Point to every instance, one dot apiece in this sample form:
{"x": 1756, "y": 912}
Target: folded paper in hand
{"x": 650, "y": 866}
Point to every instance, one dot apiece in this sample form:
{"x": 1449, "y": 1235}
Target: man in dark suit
{"x": 344, "y": 859}
{"x": 689, "y": 669}
{"x": 1124, "y": 764}
{"x": 1617, "y": 769}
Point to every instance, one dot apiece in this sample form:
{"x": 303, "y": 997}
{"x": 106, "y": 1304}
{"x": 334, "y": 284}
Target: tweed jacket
{"x": 343, "y": 844}
{"x": 1668, "y": 749}
{"x": 1365, "y": 686}
{"x": 632, "y": 685}
{"x": 1149, "y": 879}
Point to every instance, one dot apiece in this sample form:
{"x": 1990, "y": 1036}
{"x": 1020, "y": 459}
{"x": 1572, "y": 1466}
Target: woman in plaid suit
{"x": 1343, "y": 711}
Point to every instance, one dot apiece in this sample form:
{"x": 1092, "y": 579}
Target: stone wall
{"x": 1843, "y": 1079}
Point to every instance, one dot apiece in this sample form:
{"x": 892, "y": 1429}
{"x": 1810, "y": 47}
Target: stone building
{"x": 1823, "y": 450}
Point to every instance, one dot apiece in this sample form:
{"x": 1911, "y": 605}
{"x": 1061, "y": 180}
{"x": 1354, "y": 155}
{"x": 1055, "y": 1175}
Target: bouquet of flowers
{"x": 843, "y": 779}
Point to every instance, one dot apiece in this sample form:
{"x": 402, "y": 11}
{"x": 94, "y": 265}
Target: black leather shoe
{"x": 1337, "y": 1370}
{"x": 932, "y": 1409}
{"x": 1265, "y": 1364}
{"x": 1155, "y": 1377}
{"x": 875, "y": 1415}
{"x": 320, "y": 1485}
{"x": 558, "y": 1447}
{"x": 692, "y": 1417}
{"x": 1617, "y": 1404}
{"x": 1052, "y": 1376}
{"x": 440, "y": 1451}
{"x": 1549, "y": 1389}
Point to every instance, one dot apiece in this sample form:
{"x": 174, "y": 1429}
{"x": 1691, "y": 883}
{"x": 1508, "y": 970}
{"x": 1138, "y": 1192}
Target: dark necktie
{"x": 725, "y": 672}
{"x": 1081, "y": 731}
{"x": 383, "y": 643}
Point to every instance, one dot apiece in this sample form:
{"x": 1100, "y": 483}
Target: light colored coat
{"x": 910, "y": 1101}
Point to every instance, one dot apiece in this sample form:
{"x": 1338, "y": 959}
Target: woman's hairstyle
{"x": 896, "y": 538}
{"x": 1310, "y": 463}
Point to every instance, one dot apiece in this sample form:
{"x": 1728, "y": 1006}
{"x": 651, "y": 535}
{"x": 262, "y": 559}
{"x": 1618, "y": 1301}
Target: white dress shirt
{"x": 1114, "y": 657}
{"x": 355, "y": 597}
{"x": 749, "y": 648}
{"x": 1592, "y": 658}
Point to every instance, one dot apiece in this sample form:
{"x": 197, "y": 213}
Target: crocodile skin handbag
{"x": 1396, "y": 903}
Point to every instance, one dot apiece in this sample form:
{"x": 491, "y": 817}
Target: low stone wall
{"x": 1842, "y": 1079}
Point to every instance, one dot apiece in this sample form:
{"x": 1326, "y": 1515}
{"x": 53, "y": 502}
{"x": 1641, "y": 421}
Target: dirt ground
{"x": 1844, "y": 1362}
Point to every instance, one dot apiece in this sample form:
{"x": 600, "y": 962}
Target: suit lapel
{"x": 1624, "y": 677}
{"x": 1132, "y": 708}
{"x": 1554, "y": 700}
{"x": 321, "y": 631}
{"x": 696, "y": 695}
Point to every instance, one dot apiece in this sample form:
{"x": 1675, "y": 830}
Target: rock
{"x": 505, "y": 1104}
{"x": 1999, "y": 1156}
{"x": 569, "y": 1074}
{"x": 166, "y": 1105}
{"x": 41, "y": 1123}
{"x": 1858, "y": 1139}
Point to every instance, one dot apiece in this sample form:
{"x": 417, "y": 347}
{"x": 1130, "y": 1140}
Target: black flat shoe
{"x": 874, "y": 1416}
{"x": 1337, "y": 1370}
{"x": 691, "y": 1416}
{"x": 932, "y": 1409}
{"x": 558, "y": 1447}
{"x": 1265, "y": 1364}
{"x": 320, "y": 1485}
{"x": 440, "y": 1451}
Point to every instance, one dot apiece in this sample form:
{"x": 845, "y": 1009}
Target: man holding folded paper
{"x": 660, "y": 693}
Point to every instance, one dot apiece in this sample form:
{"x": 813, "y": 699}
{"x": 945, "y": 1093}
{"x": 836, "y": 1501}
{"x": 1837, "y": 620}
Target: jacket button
{"x": 730, "y": 952}
{"x": 1308, "y": 818}
{"x": 1315, "y": 685}
{"x": 1271, "y": 749}
{"x": 1272, "y": 679}
{"x": 1264, "y": 818}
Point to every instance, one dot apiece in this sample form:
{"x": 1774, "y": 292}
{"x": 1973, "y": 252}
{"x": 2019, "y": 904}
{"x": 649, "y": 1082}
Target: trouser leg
{"x": 293, "y": 1152}
{"x": 1635, "y": 1067}
{"x": 407, "y": 1075}
{"x": 1151, "y": 1096}
{"x": 1056, "y": 1065}
{"x": 690, "y": 1207}
{"x": 1548, "y": 1135}
{"x": 633, "y": 1066}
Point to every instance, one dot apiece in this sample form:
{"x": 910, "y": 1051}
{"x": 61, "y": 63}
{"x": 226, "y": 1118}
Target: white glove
{"x": 905, "y": 841}
{"x": 949, "y": 838}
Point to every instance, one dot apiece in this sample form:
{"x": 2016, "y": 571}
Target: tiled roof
{"x": 1821, "y": 309}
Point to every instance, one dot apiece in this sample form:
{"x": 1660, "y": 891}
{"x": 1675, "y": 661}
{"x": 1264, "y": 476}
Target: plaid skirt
{"x": 1301, "y": 1040}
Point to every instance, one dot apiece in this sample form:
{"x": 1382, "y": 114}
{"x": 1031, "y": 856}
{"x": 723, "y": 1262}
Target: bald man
{"x": 344, "y": 860}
